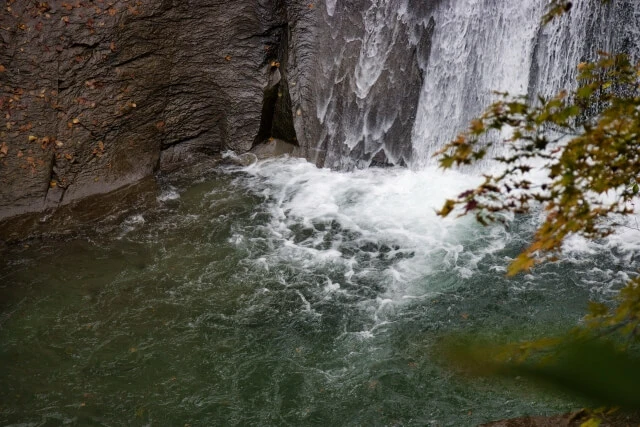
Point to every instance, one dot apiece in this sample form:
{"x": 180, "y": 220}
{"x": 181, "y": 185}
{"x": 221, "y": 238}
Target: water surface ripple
{"x": 280, "y": 294}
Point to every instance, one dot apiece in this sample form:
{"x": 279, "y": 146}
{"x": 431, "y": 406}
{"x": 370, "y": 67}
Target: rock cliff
{"x": 98, "y": 94}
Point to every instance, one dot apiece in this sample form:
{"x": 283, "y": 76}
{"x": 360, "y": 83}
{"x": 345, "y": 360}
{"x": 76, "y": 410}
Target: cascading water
{"x": 367, "y": 92}
{"x": 433, "y": 66}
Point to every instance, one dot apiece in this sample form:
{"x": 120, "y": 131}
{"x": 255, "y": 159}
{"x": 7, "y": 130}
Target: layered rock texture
{"x": 98, "y": 94}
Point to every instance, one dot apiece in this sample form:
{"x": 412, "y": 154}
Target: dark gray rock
{"x": 358, "y": 79}
{"x": 98, "y": 95}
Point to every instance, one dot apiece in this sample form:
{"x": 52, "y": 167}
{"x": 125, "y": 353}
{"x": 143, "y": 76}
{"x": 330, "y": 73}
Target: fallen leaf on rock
{"x": 32, "y": 138}
{"x": 4, "y": 149}
{"x": 2, "y": 68}
{"x": 45, "y": 142}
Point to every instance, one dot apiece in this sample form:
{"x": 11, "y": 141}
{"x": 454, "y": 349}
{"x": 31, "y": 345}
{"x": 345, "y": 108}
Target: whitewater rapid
{"x": 381, "y": 225}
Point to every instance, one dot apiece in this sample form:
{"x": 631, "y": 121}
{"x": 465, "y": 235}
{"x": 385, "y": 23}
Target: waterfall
{"x": 400, "y": 78}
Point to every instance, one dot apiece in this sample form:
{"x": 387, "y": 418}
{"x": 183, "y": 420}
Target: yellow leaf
{"x": 32, "y": 138}
{"x": 522, "y": 263}
{"x": 447, "y": 208}
{"x": 592, "y": 422}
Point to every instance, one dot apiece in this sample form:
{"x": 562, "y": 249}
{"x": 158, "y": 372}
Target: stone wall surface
{"x": 98, "y": 94}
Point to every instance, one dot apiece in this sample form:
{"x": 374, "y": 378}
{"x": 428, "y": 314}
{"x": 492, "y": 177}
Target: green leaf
{"x": 589, "y": 368}
{"x": 446, "y": 161}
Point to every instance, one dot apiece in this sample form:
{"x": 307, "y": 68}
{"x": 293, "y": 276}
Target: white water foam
{"x": 372, "y": 237}
{"x": 168, "y": 194}
{"x": 387, "y": 213}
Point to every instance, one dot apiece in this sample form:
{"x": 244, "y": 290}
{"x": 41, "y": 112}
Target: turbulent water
{"x": 281, "y": 294}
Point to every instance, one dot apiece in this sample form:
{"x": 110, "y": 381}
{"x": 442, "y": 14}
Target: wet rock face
{"x": 98, "y": 94}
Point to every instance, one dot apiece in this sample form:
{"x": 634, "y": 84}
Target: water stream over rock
{"x": 405, "y": 76}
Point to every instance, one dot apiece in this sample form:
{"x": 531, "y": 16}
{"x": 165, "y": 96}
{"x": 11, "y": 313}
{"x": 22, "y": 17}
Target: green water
{"x": 171, "y": 318}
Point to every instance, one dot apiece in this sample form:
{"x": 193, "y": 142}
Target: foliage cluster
{"x": 586, "y": 144}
